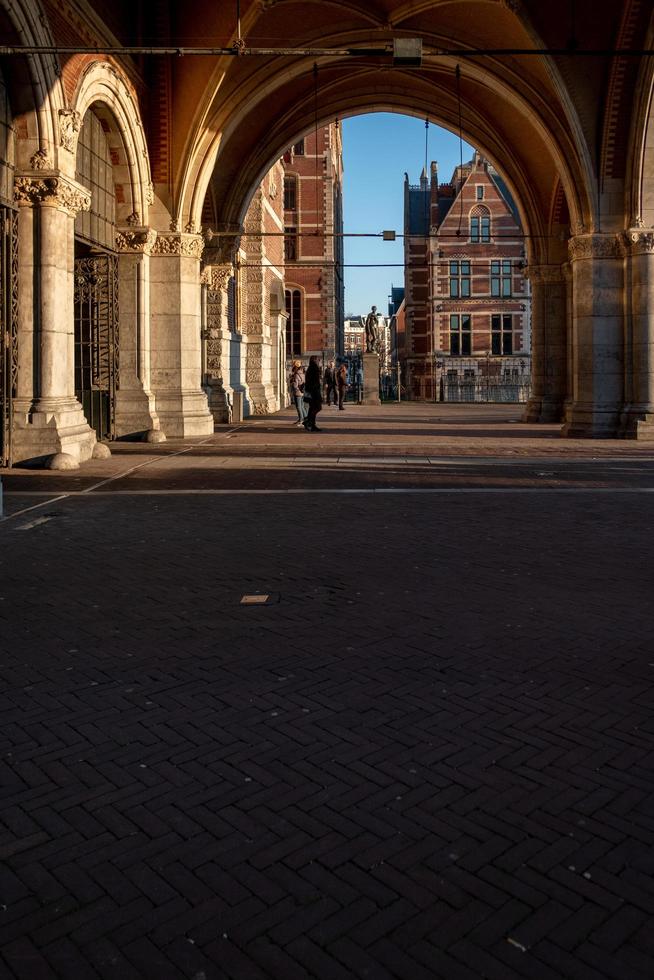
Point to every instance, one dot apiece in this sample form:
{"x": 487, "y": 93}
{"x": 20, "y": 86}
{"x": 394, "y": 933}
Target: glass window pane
{"x": 465, "y": 287}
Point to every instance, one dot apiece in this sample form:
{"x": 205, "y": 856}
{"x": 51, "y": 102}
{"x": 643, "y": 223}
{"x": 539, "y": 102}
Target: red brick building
{"x": 467, "y": 297}
{"x": 313, "y": 227}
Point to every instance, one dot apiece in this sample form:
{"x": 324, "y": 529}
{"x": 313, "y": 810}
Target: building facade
{"x": 467, "y": 295}
{"x": 313, "y": 240}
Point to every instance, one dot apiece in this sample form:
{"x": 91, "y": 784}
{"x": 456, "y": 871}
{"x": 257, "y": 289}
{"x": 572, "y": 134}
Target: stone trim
{"x": 217, "y": 277}
{"x": 52, "y": 190}
{"x": 136, "y": 240}
{"x": 595, "y": 247}
{"x": 176, "y": 243}
{"x": 639, "y": 242}
{"x": 545, "y": 274}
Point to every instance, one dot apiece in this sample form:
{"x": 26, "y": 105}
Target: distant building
{"x": 467, "y": 304}
{"x": 313, "y": 244}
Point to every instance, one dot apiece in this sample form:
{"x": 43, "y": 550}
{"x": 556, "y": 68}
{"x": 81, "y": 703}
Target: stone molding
{"x": 70, "y": 123}
{"x": 253, "y": 364}
{"x": 639, "y": 241}
{"x": 595, "y": 247}
{"x": 178, "y": 244}
{"x": 136, "y": 240}
{"x": 52, "y": 190}
{"x": 545, "y": 274}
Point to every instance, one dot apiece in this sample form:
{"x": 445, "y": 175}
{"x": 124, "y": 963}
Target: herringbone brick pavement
{"x": 430, "y": 756}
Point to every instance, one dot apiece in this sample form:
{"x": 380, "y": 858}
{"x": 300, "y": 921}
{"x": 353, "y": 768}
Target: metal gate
{"x": 8, "y": 322}
{"x": 96, "y": 340}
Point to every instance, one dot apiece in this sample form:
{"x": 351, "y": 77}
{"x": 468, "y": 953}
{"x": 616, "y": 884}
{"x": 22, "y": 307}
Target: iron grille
{"x": 96, "y": 340}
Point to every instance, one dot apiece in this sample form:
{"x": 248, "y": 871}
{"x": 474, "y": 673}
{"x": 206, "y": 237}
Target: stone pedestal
{"x": 598, "y": 337}
{"x": 371, "y": 379}
{"x": 176, "y": 336}
{"x": 548, "y": 344}
{"x": 48, "y": 418}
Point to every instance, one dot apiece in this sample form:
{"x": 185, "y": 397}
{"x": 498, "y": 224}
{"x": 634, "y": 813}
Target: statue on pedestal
{"x": 371, "y": 324}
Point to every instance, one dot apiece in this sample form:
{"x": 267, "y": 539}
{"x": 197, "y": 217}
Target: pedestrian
{"x": 330, "y": 383}
{"x": 313, "y": 391}
{"x": 296, "y": 388}
{"x": 341, "y": 385}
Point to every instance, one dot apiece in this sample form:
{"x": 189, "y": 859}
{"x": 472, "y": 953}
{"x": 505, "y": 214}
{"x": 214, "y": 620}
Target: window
{"x": 298, "y": 148}
{"x": 459, "y": 279}
{"x": 501, "y": 333}
{"x": 480, "y": 192}
{"x": 290, "y": 193}
{"x": 501, "y": 284}
{"x": 290, "y": 243}
{"x": 94, "y": 170}
{"x": 460, "y": 334}
{"x": 293, "y": 299}
{"x": 480, "y": 229}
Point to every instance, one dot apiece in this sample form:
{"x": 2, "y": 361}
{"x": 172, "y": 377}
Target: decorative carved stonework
{"x": 594, "y": 247}
{"x": 52, "y": 191}
{"x": 70, "y": 123}
{"x": 253, "y": 364}
{"x": 190, "y": 246}
{"x": 223, "y": 244}
{"x": 544, "y": 274}
{"x": 639, "y": 242}
{"x": 191, "y": 228}
{"x": 40, "y": 160}
{"x": 217, "y": 276}
{"x": 149, "y": 194}
{"x": 134, "y": 219}
{"x": 272, "y": 186}
{"x": 136, "y": 240}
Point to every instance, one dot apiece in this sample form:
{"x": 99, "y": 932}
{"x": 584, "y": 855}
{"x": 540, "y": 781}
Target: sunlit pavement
{"x": 428, "y": 754}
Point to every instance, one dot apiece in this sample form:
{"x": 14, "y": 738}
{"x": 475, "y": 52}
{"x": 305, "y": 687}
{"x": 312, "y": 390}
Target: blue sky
{"x": 377, "y": 149}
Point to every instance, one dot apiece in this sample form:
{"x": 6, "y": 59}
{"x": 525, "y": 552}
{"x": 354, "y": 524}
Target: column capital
{"x": 136, "y": 240}
{"x": 545, "y": 274}
{"x": 595, "y": 246}
{"x": 178, "y": 244}
{"x": 639, "y": 241}
{"x": 217, "y": 277}
{"x": 222, "y": 244}
{"x": 51, "y": 189}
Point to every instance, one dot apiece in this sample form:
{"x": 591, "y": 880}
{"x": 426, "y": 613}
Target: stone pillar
{"x": 548, "y": 344}
{"x": 175, "y": 318}
{"x": 217, "y": 340}
{"x": 48, "y": 418}
{"x": 371, "y": 379}
{"x": 135, "y": 402}
{"x": 597, "y": 329}
{"x": 638, "y": 416}
{"x": 569, "y": 346}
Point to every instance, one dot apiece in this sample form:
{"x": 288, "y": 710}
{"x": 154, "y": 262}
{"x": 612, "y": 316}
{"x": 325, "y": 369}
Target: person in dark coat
{"x": 329, "y": 382}
{"x": 313, "y": 388}
{"x": 341, "y": 384}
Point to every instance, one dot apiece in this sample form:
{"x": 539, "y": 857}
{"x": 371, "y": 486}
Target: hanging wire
{"x": 457, "y": 75}
{"x": 239, "y": 43}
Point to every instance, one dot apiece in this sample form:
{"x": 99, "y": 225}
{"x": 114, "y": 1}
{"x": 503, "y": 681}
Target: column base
{"x": 135, "y": 413}
{"x": 262, "y": 399}
{"x": 184, "y": 413}
{"x": 51, "y": 427}
{"x": 588, "y": 422}
{"x": 219, "y": 401}
{"x": 637, "y": 423}
{"x": 546, "y": 409}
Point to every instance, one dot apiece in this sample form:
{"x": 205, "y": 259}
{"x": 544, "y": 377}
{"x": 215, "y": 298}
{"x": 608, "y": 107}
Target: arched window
{"x": 95, "y": 171}
{"x": 480, "y": 225}
{"x": 293, "y": 298}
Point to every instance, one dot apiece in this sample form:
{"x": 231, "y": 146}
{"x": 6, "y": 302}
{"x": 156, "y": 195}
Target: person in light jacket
{"x": 313, "y": 388}
{"x": 296, "y": 389}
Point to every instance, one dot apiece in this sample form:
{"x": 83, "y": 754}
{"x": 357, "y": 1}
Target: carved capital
{"x": 639, "y": 242}
{"x": 217, "y": 277}
{"x": 222, "y": 244}
{"x": 189, "y": 246}
{"x": 136, "y": 240}
{"x": 41, "y": 160}
{"x": 544, "y": 274}
{"x": 52, "y": 190}
{"x": 594, "y": 247}
{"x": 70, "y": 123}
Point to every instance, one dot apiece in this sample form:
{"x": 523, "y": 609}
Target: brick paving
{"x": 429, "y": 755}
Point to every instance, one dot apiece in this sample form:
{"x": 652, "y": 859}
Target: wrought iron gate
{"x": 96, "y": 340}
{"x": 8, "y": 322}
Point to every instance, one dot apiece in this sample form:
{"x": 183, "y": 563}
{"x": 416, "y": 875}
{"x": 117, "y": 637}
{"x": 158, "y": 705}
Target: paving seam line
{"x": 118, "y": 476}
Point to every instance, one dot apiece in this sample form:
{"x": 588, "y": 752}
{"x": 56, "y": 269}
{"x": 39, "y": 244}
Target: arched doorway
{"x": 96, "y": 282}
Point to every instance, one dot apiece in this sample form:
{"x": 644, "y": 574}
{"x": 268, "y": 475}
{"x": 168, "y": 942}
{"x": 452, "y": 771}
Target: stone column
{"x": 638, "y": 416}
{"x": 50, "y": 422}
{"x": 175, "y": 318}
{"x": 135, "y": 402}
{"x": 548, "y": 344}
{"x": 218, "y": 340}
{"x": 597, "y": 336}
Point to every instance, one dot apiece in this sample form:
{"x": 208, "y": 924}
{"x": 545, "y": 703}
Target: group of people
{"x": 307, "y": 388}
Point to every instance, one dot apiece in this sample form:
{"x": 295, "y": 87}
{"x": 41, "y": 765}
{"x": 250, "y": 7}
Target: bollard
{"x": 237, "y": 406}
